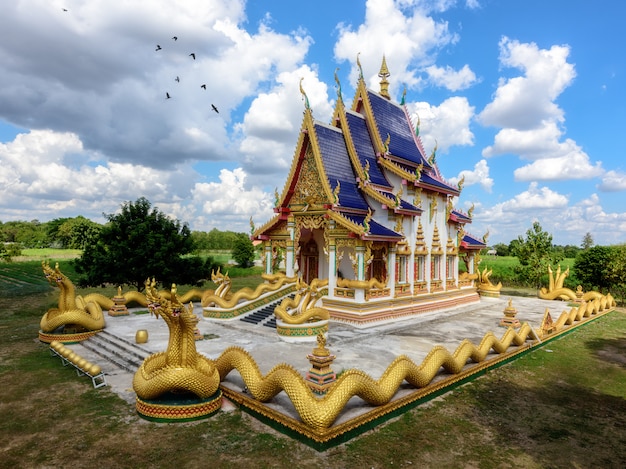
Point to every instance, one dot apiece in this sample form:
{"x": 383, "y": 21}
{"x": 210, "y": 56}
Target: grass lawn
{"x": 562, "y": 405}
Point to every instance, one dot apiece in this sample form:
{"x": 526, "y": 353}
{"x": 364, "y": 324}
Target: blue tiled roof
{"x": 471, "y": 241}
{"x": 392, "y": 120}
{"x": 460, "y": 217}
{"x": 365, "y": 148}
{"x": 338, "y": 168}
{"x": 428, "y": 179}
{"x": 376, "y": 229}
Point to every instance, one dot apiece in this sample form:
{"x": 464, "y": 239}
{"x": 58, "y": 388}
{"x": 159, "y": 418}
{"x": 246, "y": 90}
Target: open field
{"x": 562, "y": 405}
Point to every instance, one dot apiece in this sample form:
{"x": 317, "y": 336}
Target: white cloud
{"x": 479, "y": 175}
{"x": 270, "y": 127}
{"x": 453, "y": 80}
{"x": 613, "y": 181}
{"x": 445, "y": 125}
{"x": 524, "y": 101}
{"x": 231, "y": 201}
{"x": 402, "y": 31}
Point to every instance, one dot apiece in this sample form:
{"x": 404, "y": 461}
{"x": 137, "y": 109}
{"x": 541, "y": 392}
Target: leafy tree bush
{"x": 140, "y": 243}
{"x": 590, "y": 267}
{"x": 243, "y": 251}
{"x": 535, "y": 254}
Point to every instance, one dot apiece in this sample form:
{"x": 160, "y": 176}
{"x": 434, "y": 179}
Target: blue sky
{"x": 524, "y": 99}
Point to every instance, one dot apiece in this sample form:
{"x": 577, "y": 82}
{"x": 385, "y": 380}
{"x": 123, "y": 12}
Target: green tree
{"x": 77, "y": 233}
{"x": 587, "y": 241}
{"x": 535, "y": 254}
{"x": 502, "y": 249}
{"x": 140, "y": 243}
{"x": 615, "y": 271}
{"x": 591, "y": 265}
{"x": 243, "y": 251}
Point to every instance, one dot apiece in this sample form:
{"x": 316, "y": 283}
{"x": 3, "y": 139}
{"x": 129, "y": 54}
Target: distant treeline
{"x": 77, "y": 232}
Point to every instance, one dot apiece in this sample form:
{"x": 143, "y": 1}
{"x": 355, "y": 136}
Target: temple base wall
{"x": 373, "y": 312}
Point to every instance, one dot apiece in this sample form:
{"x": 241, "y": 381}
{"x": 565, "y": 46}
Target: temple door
{"x": 311, "y": 261}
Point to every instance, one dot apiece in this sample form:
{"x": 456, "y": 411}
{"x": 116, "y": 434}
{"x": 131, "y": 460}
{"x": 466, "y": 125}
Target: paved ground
{"x": 371, "y": 349}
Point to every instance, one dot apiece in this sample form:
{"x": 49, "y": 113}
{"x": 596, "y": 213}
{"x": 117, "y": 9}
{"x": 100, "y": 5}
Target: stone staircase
{"x": 260, "y": 316}
{"x": 120, "y": 352}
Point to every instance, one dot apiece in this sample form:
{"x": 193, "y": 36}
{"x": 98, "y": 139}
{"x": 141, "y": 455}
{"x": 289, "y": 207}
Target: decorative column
{"x": 359, "y": 293}
{"x": 268, "y": 257}
{"x": 391, "y": 282}
{"x": 289, "y": 255}
{"x": 332, "y": 265}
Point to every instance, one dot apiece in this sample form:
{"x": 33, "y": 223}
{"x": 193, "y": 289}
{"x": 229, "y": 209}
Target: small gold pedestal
{"x": 119, "y": 307}
{"x": 141, "y": 336}
{"x": 509, "y": 319}
{"x": 320, "y": 377}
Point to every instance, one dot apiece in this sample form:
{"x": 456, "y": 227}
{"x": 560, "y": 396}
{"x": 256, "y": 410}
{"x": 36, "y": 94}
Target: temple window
{"x": 436, "y": 267}
{"x": 402, "y": 265}
{"x": 420, "y": 262}
{"x": 378, "y": 268}
{"x": 450, "y": 267}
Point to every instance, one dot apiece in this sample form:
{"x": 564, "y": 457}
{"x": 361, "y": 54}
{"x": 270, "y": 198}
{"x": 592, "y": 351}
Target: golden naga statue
{"x": 74, "y": 310}
{"x": 320, "y": 413}
{"x": 180, "y": 367}
{"x": 556, "y": 290}
{"x": 301, "y": 309}
{"x": 362, "y": 284}
{"x": 223, "y": 298}
{"x": 484, "y": 282}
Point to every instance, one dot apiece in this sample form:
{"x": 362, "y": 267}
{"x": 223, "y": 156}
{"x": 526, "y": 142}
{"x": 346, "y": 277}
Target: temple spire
{"x": 384, "y": 74}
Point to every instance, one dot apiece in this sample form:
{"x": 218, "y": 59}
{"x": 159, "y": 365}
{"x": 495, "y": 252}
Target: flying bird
{"x": 167, "y": 96}
{"x": 175, "y": 38}
{"x": 64, "y": 9}
{"x": 158, "y": 47}
{"x": 193, "y": 55}
{"x": 203, "y": 86}
{"x": 177, "y": 79}
{"x": 214, "y": 108}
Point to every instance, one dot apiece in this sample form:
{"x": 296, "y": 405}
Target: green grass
{"x": 561, "y": 405}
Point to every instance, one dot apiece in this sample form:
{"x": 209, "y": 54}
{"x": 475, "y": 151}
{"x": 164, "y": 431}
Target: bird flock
{"x": 177, "y": 79}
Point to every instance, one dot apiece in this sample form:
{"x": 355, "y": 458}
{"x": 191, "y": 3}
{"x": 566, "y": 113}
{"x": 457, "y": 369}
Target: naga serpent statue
{"x": 74, "y": 310}
{"x": 320, "y": 413}
{"x": 556, "y": 290}
{"x": 223, "y": 298}
{"x": 484, "y": 282}
{"x": 364, "y": 284}
{"x": 301, "y": 309}
{"x": 180, "y": 368}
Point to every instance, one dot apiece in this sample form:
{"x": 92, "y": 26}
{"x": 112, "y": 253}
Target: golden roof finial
{"x": 304, "y": 96}
{"x": 338, "y": 85}
{"x": 358, "y": 64}
{"x": 384, "y": 74}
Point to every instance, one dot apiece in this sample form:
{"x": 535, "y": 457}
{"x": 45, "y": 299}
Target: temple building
{"x": 365, "y": 209}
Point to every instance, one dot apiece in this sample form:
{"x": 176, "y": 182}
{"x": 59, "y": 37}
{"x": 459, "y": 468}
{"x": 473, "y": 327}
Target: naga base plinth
{"x": 306, "y": 332}
{"x": 174, "y": 407}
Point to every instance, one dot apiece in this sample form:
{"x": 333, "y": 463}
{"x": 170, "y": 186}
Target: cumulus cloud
{"x": 403, "y": 32}
{"x": 270, "y": 127}
{"x": 95, "y": 71}
{"x": 522, "y": 102}
{"x": 613, "y": 181}
{"x": 223, "y": 203}
{"x": 479, "y": 175}
{"x": 445, "y": 125}
{"x": 453, "y": 80}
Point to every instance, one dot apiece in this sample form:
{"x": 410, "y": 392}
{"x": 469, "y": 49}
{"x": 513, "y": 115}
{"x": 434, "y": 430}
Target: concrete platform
{"x": 369, "y": 349}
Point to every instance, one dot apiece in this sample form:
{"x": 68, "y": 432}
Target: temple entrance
{"x": 310, "y": 256}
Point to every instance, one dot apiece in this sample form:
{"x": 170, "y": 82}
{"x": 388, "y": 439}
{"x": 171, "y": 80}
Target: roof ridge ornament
{"x": 384, "y": 74}
{"x": 358, "y": 64}
{"x": 304, "y": 96}
{"x": 403, "y": 102}
{"x": 339, "y": 96}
